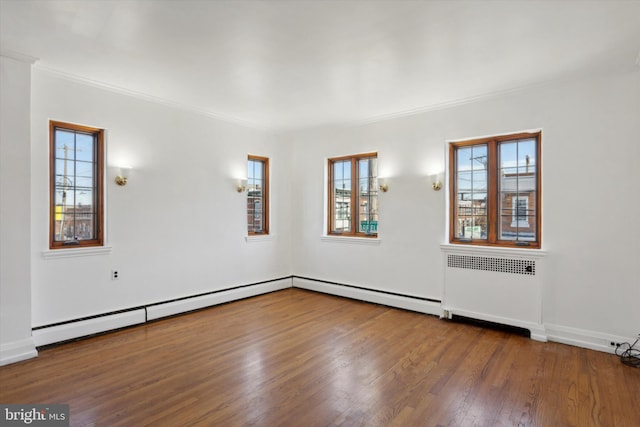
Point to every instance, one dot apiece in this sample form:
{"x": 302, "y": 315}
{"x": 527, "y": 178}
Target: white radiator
{"x": 497, "y": 285}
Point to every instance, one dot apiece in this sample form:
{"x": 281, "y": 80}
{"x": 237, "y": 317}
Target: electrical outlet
{"x": 615, "y": 344}
{"x": 115, "y": 275}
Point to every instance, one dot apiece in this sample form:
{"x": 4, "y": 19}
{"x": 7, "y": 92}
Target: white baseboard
{"x": 539, "y": 332}
{"x": 83, "y": 328}
{"x": 190, "y": 304}
{"x": 25, "y": 349}
{"x": 407, "y": 303}
{"x": 584, "y": 338}
{"x": 17, "y": 351}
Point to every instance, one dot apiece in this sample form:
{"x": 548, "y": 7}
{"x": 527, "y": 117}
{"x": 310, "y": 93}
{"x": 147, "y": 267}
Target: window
{"x": 353, "y": 195}
{"x": 258, "y": 195}
{"x": 495, "y": 191}
{"x": 76, "y": 185}
{"x": 520, "y": 215}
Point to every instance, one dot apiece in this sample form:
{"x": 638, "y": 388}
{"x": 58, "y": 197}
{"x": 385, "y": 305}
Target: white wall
{"x": 177, "y": 228}
{"x": 590, "y": 199}
{"x": 15, "y": 291}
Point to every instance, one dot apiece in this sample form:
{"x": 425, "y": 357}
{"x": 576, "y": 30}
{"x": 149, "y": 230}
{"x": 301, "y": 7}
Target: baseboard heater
{"x": 500, "y": 286}
{"x": 391, "y": 299}
{"x": 89, "y": 326}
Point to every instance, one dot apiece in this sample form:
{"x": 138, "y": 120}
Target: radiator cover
{"x": 500, "y": 265}
{"x": 496, "y": 285}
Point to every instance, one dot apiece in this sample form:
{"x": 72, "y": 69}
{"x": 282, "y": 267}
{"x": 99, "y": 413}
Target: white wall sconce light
{"x": 123, "y": 176}
{"x": 241, "y": 186}
{"x": 383, "y": 185}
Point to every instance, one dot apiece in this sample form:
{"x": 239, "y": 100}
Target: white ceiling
{"x": 288, "y": 64}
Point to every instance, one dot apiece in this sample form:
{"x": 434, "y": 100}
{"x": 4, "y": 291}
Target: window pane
{"x": 254, "y": 212}
{"x": 84, "y": 147}
{"x": 65, "y": 170}
{"x": 84, "y": 198}
{"x": 84, "y": 183}
{"x": 471, "y": 193}
{"x": 518, "y": 190}
{"x": 342, "y": 196}
{"x": 368, "y": 196}
{"x": 472, "y": 217}
{"x": 83, "y": 222}
{"x": 64, "y": 138}
{"x": 255, "y": 169}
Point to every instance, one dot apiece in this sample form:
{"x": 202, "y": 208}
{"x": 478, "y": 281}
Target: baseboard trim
{"x": 105, "y": 322}
{"x": 421, "y": 305}
{"x": 586, "y": 339}
{"x": 74, "y": 329}
{"x": 87, "y": 327}
{"x": 17, "y": 351}
{"x": 158, "y": 311}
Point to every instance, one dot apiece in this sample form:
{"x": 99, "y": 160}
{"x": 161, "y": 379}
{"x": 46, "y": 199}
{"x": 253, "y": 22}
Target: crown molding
{"x": 28, "y": 59}
{"x": 292, "y": 129}
{"x": 486, "y": 96}
{"x": 149, "y": 98}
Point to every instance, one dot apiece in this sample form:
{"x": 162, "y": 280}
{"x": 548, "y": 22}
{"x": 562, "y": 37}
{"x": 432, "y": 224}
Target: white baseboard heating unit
{"x": 496, "y": 285}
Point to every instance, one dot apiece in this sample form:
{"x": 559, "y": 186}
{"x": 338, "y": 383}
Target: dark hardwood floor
{"x": 298, "y": 358}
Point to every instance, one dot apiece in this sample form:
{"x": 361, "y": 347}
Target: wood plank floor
{"x": 299, "y": 358}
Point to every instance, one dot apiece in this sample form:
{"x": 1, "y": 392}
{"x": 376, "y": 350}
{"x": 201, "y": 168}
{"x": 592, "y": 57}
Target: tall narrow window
{"x": 258, "y": 195}
{"x": 495, "y": 191}
{"x": 76, "y": 185}
{"x": 353, "y": 195}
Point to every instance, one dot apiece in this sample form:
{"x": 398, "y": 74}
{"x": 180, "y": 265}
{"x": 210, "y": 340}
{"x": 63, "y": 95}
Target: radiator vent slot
{"x": 500, "y": 265}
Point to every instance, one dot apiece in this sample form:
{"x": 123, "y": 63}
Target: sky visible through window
{"x": 74, "y": 168}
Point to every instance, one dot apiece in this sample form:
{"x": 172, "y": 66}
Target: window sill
{"x": 371, "y": 241}
{"x": 258, "y": 238}
{"x": 76, "y": 252}
{"x": 493, "y": 251}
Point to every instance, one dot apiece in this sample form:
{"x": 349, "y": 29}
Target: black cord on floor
{"x": 629, "y": 355}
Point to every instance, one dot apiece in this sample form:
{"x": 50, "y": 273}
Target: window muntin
{"x": 495, "y": 191}
{"x": 353, "y": 194}
{"x": 257, "y": 195}
{"x": 76, "y": 186}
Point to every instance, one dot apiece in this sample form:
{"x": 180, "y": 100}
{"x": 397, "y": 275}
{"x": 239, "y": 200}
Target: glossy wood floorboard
{"x": 299, "y": 358}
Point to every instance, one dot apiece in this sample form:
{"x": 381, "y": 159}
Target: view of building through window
{"x": 257, "y": 195}
{"x": 354, "y": 195}
{"x": 517, "y": 187}
{"x": 496, "y": 190}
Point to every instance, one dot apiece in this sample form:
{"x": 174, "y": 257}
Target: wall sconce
{"x": 436, "y": 182}
{"x": 383, "y": 185}
{"x": 241, "y": 186}
{"x": 123, "y": 176}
